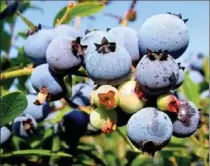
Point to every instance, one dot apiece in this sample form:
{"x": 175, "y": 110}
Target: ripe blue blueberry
{"x": 188, "y": 120}
{"x": 128, "y": 38}
{"x": 24, "y": 126}
{"x": 64, "y": 55}
{"x": 181, "y": 77}
{"x": 196, "y": 63}
{"x": 75, "y": 122}
{"x": 65, "y": 30}
{"x": 38, "y": 112}
{"x": 81, "y": 94}
{"x": 157, "y": 72}
{"x": 109, "y": 64}
{"x": 36, "y": 45}
{"x": 149, "y": 129}
{"x": 5, "y": 134}
{"x": 45, "y": 82}
{"x": 164, "y": 32}
{"x": 91, "y": 38}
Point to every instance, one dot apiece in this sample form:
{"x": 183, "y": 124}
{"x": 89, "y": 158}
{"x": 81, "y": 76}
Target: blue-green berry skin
{"x": 65, "y": 30}
{"x": 180, "y": 80}
{"x": 18, "y": 128}
{"x": 156, "y": 77}
{"x": 38, "y": 112}
{"x": 185, "y": 129}
{"x": 149, "y": 125}
{"x": 128, "y": 38}
{"x": 75, "y": 122}
{"x": 164, "y": 32}
{"x": 60, "y": 56}
{"x": 110, "y": 68}
{"x": 91, "y": 38}
{"x": 36, "y": 45}
{"x": 5, "y": 134}
{"x": 43, "y": 77}
{"x": 81, "y": 94}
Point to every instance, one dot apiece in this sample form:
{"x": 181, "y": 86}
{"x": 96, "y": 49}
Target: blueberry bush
{"x": 108, "y": 98}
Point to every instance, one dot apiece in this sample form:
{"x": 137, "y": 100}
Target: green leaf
{"x": 26, "y": 21}
{"x": 59, "y": 14}
{"x": 190, "y": 89}
{"x": 21, "y": 60}
{"x": 12, "y": 105}
{"x": 206, "y": 68}
{"x": 68, "y": 84}
{"x": 80, "y": 9}
{"x": 5, "y": 44}
{"x": 39, "y": 152}
{"x": 3, "y": 5}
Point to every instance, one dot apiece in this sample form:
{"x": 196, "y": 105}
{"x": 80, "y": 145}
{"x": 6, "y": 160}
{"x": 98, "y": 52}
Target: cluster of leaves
{"x": 115, "y": 149}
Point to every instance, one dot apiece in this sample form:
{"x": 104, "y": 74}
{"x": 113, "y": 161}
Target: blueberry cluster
{"x": 134, "y": 76}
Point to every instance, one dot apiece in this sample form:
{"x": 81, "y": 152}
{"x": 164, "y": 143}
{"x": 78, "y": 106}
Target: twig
{"x": 125, "y": 139}
{"x": 17, "y": 73}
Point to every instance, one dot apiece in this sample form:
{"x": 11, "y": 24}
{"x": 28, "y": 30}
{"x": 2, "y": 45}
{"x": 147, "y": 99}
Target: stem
{"x": 77, "y": 23}
{"x": 65, "y": 16}
{"x": 26, "y": 21}
{"x": 125, "y": 139}
{"x": 16, "y": 73}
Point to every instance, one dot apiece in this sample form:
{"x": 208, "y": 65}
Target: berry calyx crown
{"x": 105, "y": 46}
{"x": 153, "y": 55}
{"x": 179, "y": 15}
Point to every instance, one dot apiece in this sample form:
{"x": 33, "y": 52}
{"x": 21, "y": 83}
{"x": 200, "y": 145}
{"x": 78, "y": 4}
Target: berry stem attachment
{"x": 16, "y": 73}
{"x": 125, "y": 139}
{"x": 42, "y": 96}
{"x": 65, "y": 16}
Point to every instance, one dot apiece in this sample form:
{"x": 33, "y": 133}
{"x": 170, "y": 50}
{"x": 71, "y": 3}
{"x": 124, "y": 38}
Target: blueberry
{"x": 5, "y": 134}
{"x": 164, "y": 32}
{"x": 106, "y": 97}
{"x": 157, "y": 72}
{"x": 196, "y": 62}
{"x": 131, "y": 99}
{"x": 91, "y": 38}
{"x": 181, "y": 77}
{"x": 81, "y": 94}
{"x": 36, "y": 45}
{"x": 38, "y": 112}
{"x": 188, "y": 120}
{"x": 109, "y": 64}
{"x": 45, "y": 82}
{"x": 149, "y": 129}
{"x": 64, "y": 55}
{"x": 12, "y": 7}
{"x": 24, "y": 126}
{"x": 75, "y": 122}
{"x": 65, "y": 30}
{"x": 128, "y": 38}
{"x": 104, "y": 120}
